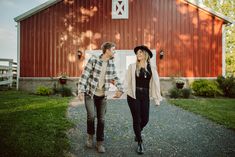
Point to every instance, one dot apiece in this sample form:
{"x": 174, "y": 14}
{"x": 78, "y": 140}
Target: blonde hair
{"x": 138, "y": 67}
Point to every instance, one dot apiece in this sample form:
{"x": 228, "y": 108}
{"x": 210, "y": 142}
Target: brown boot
{"x": 89, "y": 141}
{"x": 100, "y": 146}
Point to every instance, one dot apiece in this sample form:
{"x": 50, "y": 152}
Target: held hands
{"x": 81, "y": 96}
{"x": 117, "y": 94}
{"x": 112, "y": 82}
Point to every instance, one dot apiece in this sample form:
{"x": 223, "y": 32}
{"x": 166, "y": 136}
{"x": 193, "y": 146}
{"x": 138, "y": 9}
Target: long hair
{"x": 138, "y": 67}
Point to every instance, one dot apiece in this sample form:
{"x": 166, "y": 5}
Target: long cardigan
{"x": 154, "y": 84}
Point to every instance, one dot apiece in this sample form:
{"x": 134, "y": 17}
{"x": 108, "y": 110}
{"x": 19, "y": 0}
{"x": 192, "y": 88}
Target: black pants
{"x": 98, "y": 103}
{"x": 140, "y": 110}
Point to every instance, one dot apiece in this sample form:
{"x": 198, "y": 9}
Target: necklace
{"x": 145, "y": 74}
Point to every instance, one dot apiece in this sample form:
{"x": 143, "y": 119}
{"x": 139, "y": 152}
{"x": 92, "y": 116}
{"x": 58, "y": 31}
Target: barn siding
{"x": 190, "y": 38}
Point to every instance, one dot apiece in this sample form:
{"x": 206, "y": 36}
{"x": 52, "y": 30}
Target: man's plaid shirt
{"x": 90, "y": 77}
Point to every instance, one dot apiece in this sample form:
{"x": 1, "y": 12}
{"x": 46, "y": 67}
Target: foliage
{"x": 186, "y": 92}
{"x": 33, "y": 125}
{"x": 232, "y": 92}
{"x": 227, "y": 85}
{"x": 179, "y": 81}
{"x": 221, "y": 111}
{"x": 42, "y": 90}
{"x": 65, "y": 91}
{"x": 207, "y": 88}
{"x": 62, "y": 90}
{"x": 230, "y": 63}
{"x": 177, "y": 77}
{"x": 226, "y": 7}
{"x": 63, "y": 75}
{"x": 177, "y": 93}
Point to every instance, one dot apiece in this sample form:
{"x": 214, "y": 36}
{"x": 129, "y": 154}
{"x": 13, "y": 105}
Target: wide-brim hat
{"x": 145, "y": 48}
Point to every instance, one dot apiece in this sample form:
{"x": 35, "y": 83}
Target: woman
{"x": 142, "y": 82}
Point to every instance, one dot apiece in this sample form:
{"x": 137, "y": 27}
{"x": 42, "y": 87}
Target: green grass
{"x": 32, "y": 125}
{"x": 221, "y": 110}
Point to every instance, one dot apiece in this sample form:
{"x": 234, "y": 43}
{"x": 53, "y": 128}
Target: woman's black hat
{"x": 145, "y": 48}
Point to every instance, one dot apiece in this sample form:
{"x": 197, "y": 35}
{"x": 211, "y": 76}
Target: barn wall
{"x": 190, "y": 38}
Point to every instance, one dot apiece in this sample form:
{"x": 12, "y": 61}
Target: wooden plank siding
{"x": 190, "y": 38}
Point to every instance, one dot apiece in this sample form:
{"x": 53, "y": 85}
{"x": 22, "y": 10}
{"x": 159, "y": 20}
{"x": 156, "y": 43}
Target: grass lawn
{"x": 220, "y": 110}
{"x": 32, "y": 125}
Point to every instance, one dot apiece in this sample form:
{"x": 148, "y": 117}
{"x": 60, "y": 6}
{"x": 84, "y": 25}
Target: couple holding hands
{"x": 141, "y": 84}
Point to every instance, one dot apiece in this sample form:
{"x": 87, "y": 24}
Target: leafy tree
{"x": 226, "y": 7}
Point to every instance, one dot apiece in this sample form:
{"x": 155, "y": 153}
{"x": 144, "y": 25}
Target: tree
{"x": 226, "y": 7}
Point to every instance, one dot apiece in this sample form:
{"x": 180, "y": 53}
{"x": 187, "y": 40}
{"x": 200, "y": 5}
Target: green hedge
{"x": 207, "y": 88}
{"x": 42, "y": 90}
{"x": 180, "y": 93}
{"x": 227, "y": 85}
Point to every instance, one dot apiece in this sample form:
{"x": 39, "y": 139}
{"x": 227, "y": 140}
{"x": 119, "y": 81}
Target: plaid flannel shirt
{"x": 90, "y": 77}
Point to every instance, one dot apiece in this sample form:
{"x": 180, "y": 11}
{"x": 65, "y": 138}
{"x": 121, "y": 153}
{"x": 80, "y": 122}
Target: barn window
{"x": 119, "y": 9}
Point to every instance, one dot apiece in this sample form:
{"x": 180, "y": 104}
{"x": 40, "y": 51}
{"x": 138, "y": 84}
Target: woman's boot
{"x": 140, "y": 148}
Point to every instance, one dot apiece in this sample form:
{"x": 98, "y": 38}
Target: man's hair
{"x": 107, "y": 45}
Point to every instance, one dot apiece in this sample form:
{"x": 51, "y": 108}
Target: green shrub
{"x": 42, "y": 90}
{"x": 207, "y": 88}
{"x": 186, "y": 92}
{"x": 232, "y": 92}
{"x": 227, "y": 85}
{"x": 175, "y": 93}
{"x": 65, "y": 91}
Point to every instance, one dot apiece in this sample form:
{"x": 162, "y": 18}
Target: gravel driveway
{"x": 171, "y": 131}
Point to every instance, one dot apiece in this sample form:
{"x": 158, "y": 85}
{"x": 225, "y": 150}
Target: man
{"x": 94, "y": 83}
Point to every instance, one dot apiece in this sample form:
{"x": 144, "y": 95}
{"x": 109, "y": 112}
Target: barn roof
{"x": 36, "y": 10}
{"x": 52, "y": 2}
{"x": 209, "y": 10}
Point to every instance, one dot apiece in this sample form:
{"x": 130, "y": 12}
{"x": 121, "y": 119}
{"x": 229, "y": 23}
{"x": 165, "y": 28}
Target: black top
{"x": 144, "y": 77}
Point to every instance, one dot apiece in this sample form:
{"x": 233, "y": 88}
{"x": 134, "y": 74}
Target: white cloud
{"x": 7, "y": 44}
{"x": 6, "y": 34}
{"x": 8, "y": 3}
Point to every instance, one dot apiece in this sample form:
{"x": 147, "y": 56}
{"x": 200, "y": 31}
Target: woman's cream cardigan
{"x": 154, "y": 84}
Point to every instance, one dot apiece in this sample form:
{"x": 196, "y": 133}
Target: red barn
{"x": 191, "y": 36}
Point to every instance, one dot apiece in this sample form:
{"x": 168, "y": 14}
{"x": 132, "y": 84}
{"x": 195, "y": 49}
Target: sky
{"x": 9, "y": 9}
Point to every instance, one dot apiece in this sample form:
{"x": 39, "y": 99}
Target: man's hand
{"x": 80, "y": 96}
{"x": 117, "y": 94}
{"x": 112, "y": 82}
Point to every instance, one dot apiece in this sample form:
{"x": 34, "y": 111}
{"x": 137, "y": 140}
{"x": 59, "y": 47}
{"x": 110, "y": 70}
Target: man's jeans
{"x": 98, "y": 103}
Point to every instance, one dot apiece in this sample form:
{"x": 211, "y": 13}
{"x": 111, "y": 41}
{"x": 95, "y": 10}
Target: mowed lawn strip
{"x": 220, "y": 110}
{"x": 32, "y": 125}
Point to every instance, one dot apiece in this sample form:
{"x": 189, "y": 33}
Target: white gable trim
{"x": 36, "y": 10}
{"x": 18, "y": 55}
{"x": 223, "y": 50}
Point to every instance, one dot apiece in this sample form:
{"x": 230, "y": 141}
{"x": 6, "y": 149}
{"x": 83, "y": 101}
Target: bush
{"x": 227, "y": 85}
{"x": 42, "y": 90}
{"x": 232, "y": 92}
{"x": 186, "y": 92}
{"x": 175, "y": 93}
{"x": 206, "y": 88}
{"x": 65, "y": 91}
